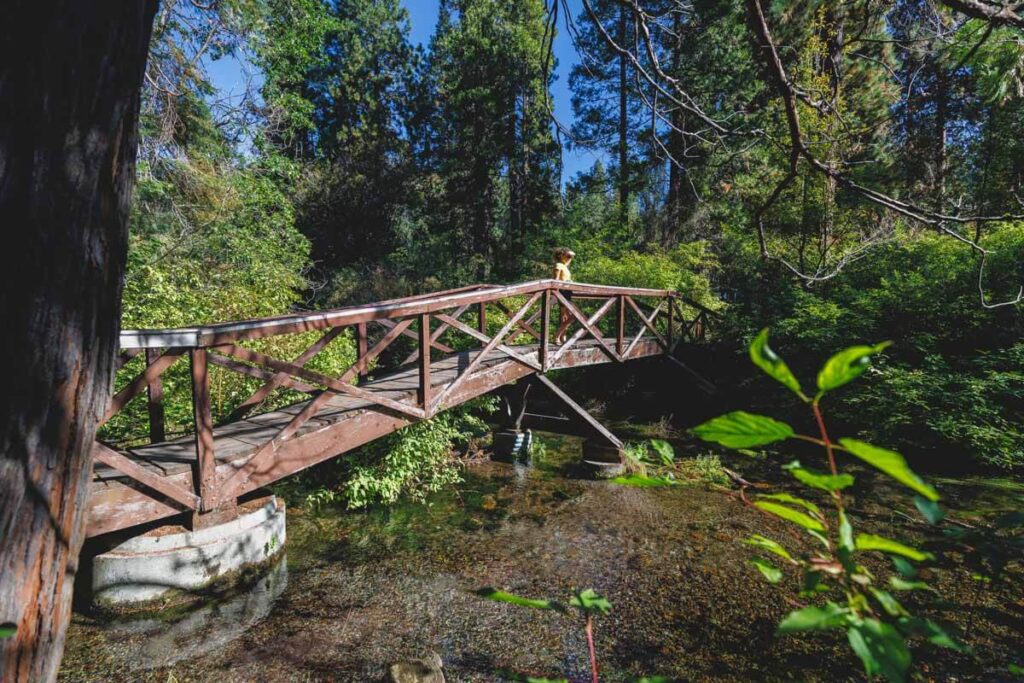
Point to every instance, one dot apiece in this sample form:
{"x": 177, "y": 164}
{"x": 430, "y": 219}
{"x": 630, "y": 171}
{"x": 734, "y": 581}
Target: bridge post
{"x": 481, "y": 317}
{"x": 425, "y": 343}
{"x": 205, "y": 472}
{"x": 545, "y": 329}
{"x": 361, "y": 351}
{"x": 155, "y": 397}
{"x": 668, "y": 332}
{"x": 620, "y": 335}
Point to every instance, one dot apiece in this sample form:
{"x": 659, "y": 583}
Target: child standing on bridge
{"x": 563, "y": 257}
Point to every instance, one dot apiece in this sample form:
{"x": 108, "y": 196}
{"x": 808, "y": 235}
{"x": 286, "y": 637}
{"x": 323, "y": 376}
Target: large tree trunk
{"x": 70, "y": 78}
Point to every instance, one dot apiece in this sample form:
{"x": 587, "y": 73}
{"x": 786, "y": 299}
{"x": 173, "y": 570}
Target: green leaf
{"x": 845, "y": 533}
{"x": 501, "y": 596}
{"x": 881, "y": 648}
{"x": 812, "y": 584}
{"x": 787, "y": 498}
{"x": 740, "y": 429}
{"x": 7, "y": 630}
{"x": 935, "y": 634}
{"x": 791, "y": 515}
{"x": 813, "y": 619}
{"x": 846, "y": 366}
{"x": 589, "y": 601}
{"x": 890, "y": 462}
{"x": 930, "y": 509}
{"x": 653, "y": 679}
{"x": 819, "y": 480}
{"x": 1016, "y": 670}
{"x": 887, "y": 545}
{"x": 641, "y": 482}
{"x": 664, "y": 449}
{"x": 759, "y": 541}
{"x": 770, "y": 571}
{"x": 765, "y": 358}
{"x": 890, "y": 604}
{"x": 900, "y": 584}
{"x": 906, "y": 569}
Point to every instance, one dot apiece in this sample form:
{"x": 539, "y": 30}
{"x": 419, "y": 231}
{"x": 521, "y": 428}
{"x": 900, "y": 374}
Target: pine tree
{"x": 496, "y": 155}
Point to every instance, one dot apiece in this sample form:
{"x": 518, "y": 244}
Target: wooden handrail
{"x": 222, "y": 333}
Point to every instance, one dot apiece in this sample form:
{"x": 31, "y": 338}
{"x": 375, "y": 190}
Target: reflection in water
{"x": 155, "y": 643}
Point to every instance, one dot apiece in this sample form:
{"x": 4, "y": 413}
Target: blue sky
{"x": 229, "y": 76}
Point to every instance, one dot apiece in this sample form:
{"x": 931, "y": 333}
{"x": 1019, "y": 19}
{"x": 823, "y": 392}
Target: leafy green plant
{"x": 587, "y": 601}
{"x": 413, "y": 461}
{"x": 654, "y": 463}
{"x": 877, "y": 626}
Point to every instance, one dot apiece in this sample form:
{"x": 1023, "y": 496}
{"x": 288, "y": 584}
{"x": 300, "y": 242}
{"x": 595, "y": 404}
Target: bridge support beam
{"x": 603, "y": 452}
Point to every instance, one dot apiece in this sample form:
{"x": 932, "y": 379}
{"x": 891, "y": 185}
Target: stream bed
{"x": 357, "y": 592}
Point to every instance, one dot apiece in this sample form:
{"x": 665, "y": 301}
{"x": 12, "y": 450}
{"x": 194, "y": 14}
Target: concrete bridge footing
{"x": 159, "y": 568}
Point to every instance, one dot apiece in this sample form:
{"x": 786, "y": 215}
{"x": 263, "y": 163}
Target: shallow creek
{"x": 359, "y": 591}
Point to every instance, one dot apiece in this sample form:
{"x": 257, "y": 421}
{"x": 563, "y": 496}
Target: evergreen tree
{"x": 496, "y": 156}
{"x": 606, "y": 100}
{"x": 347, "y": 68}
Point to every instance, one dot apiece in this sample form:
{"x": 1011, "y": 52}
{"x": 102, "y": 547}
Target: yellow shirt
{"x": 562, "y": 272}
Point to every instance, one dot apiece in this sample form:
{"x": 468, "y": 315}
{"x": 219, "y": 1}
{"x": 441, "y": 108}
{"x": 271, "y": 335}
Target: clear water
{"x": 359, "y": 591}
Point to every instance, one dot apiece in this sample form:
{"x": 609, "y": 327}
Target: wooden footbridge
{"x": 199, "y": 478}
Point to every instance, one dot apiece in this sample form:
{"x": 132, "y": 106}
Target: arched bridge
{"x": 509, "y": 336}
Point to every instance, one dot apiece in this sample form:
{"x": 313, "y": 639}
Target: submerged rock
{"x": 426, "y": 670}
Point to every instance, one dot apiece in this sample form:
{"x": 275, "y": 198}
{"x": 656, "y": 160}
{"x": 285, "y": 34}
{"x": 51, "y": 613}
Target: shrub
{"x": 413, "y": 461}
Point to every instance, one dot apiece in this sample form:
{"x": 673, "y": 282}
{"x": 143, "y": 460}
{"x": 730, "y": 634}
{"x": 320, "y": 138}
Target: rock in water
{"x": 426, "y": 670}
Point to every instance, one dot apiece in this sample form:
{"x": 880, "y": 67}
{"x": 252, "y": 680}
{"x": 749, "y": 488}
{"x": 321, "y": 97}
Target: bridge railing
{"x": 502, "y": 318}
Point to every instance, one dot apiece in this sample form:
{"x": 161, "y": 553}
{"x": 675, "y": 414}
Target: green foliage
{"x": 8, "y": 630}
{"x": 887, "y": 545}
{"x": 765, "y": 358}
{"x": 825, "y": 482}
{"x": 501, "y": 596}
{"x": 876, "y": 624}
{"x": 666, "y": 453}
{"x": 995, "y": 56}
{"x": 589, "y": 602}
{"x": 890, "y": 462}
{"x": 924, "y": 405}
{"x": 740, "y": 429}
{"x": 642, "y": 481}
{"x": 413, "y": 461}
{"x": 813, "y": 619}
{"x": 922, "y": 292}
{"x": 846, "y": 366}
{"x": 654, "y": 464}
{"x": 881, "y": 648}
{"x": 685, "y": 269}
{"x": 770, "y": 572}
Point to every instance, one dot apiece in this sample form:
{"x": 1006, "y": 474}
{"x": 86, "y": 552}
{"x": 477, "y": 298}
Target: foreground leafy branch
{"x": 877, "y": 626}
{"x": 587, "y": 601}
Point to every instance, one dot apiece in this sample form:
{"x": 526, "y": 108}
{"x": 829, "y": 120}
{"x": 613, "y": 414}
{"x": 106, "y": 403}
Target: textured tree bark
{"x": 70, "y": 78}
